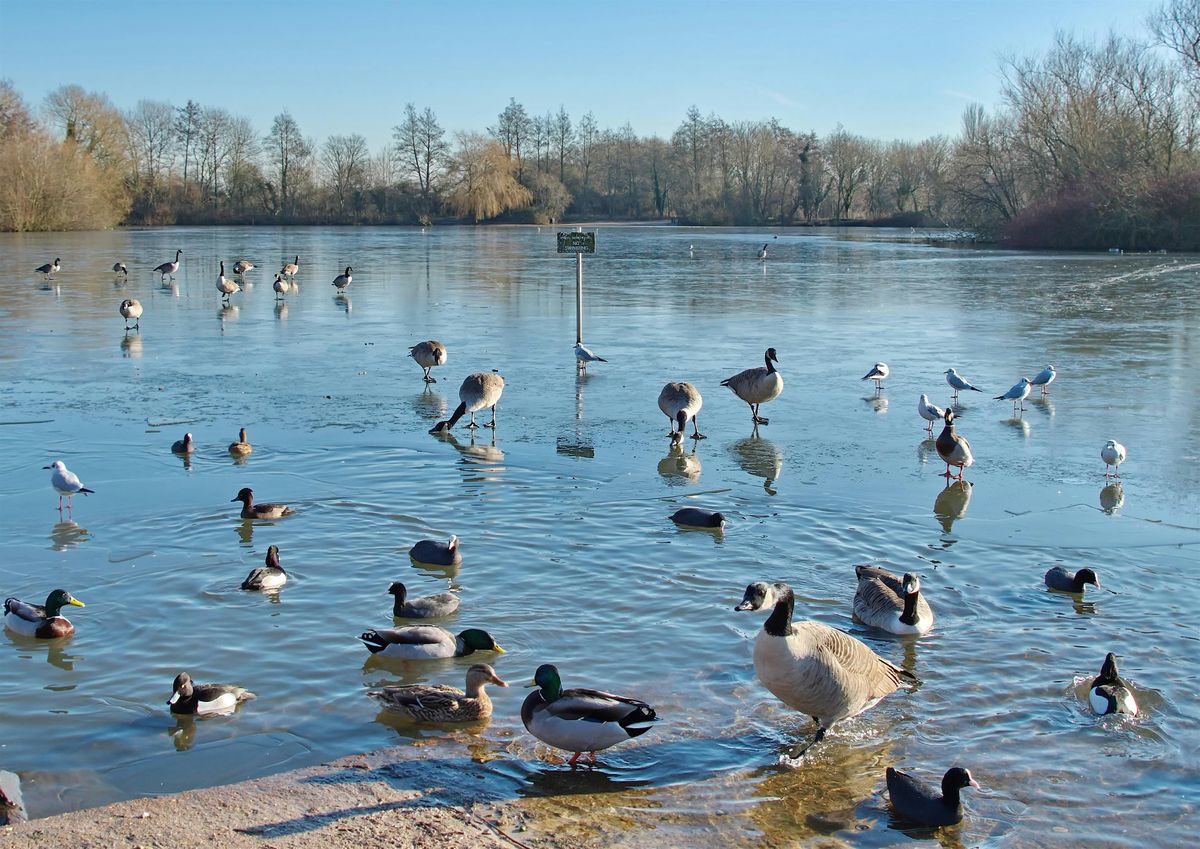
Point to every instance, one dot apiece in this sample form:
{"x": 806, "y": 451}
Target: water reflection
{"x": 183, "y": 732}
{"x": 187, "y": 461}
{"x": 1043, "y": 405}
{"x": 878, "y": 403}
{"x": 429, "y": 404}
{"x": 227, "y": 312}
{"x": 245, "y": 531}
{"x": 476, "y": 452}
{"x": 56, "y": 650}
{"x": 67, "y": 534}
{"x": 1112, "y": 498}
{"x": 927, "y": 450}
{"x": 281, "y": 310}
{"x": 343, "y": 301}
{"x": 1019, "y": 424}
{"x": 951, "y": 503}
{"x": 131, "y": 346}
{"x": 680, "y": 466}
{"x": 760, "y": 458}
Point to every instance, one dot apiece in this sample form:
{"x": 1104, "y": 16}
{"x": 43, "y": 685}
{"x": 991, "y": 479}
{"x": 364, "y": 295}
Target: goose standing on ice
{"x": 168, "y": 269}
{"x": 49, "y": 268}
{"x": 281, "y": 287}
{"x": 478, "y": 392}
{"x": 242, "y": 266}
{"x": 758, "y": 385}
{"x": 291, "y": 269}
{"x": 225, "y": 285}
{"x": 119, "y": 268}
{"x": 427, "y": 355}
{"x": 762, "y": 254}
{"x": 132, "y": 308}
{"x": 343, "y": 280}
{"x": 952, "y": 448}
{"x": 680, "y": 402}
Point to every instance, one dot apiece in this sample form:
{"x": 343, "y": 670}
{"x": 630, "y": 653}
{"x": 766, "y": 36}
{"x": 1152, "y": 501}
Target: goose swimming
{"x": 44, "y": 621}
{"x": 478, "y": 392}
{"x": 439, "y": 703}
{"x": 428, "y": 354}
{"x": 758, "y": 385}
{"x": 952, "y": 448}
{"x": 190, "y": 698}
{"x": 919, "y": 802}
{"x": 890, "y": 603}
{"x": 680, "y": 402}
{"x": 1108, "y": 693}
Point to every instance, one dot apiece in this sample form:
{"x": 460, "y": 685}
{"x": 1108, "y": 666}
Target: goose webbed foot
{"x": 797, "y": 758}
{"x": 761, "y": 420}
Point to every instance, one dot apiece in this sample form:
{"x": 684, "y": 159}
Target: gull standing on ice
{"x": 929, "y": 411}
{"x": 877, "y": 374}
{"x": 585, "y": 356}
{"x": 1019, "y": 392}
{"x": 1113, "y": 454}
{"x": 1044, "y": 378}
{"x": 66, "y": 482}
{"x": 958, "y": 382}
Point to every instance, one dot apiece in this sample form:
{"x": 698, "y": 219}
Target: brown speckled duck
{"x": 250, "y": 510}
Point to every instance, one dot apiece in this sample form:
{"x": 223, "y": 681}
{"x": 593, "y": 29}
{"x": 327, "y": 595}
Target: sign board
{"x": 577, "y": 243}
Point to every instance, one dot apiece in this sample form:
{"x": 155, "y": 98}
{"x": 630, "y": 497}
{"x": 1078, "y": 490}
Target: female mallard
{"x": 427, "y": 642}
{"x": 891, "y": 603}
{"x": 425, "y": 607}
{"x": 38, "y": 620}
{"x": 581, "y": 720}
{"x": 269, "y": 577}
{"x": 439, "y": 703}
{"x": 250, "y": 510}
{"x": 813, "y": 668}
{"x": 205, "y": 698}
{"x": 241, "y": 448}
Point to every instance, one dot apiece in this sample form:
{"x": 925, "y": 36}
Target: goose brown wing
{"x": 858, "y": 661}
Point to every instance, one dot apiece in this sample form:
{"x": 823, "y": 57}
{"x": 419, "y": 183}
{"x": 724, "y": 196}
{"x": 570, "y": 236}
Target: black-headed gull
{"x": 66, "y": 482}
{"x": 1044, "y": 378}
{"x": 878, "y": 372}
{"x": 1113, "y": 454}
{"x": 952, "y": 448}
{"x": 585, "y": 356}
{"x": 929, "y": 411}
{"x": 958, "y": 382}
{"x": 1017, "y": 394}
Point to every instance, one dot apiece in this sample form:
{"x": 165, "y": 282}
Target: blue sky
{"x": 882, "y": 69}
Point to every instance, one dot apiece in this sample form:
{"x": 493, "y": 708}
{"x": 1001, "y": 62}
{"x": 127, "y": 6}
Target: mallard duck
{"x": 919, "y": 802}
{"x": 66, "y": 482}
{"x": 1108, "y": 693}
{"x": 680, "y": 402}
{"x": 478, "y": 392}
{"x": 698, "y": 517}
{"x": 1064, "y": 581}
{"x": 427, "y": 642}
{"x": 813, "y": 668}
{"x": 952, "y": 448}
{"x": 183, "y": 446}
{"x": 757, "y": 386}
{"x": 878, "y": 373}
{"x": 241, "y": 448}
{"x": 205, "y": 698}
{"x": 580, "y": 720}
{"x": 131, "y": 308}
{"x": 427, "y": 355}
{"x": 168, "y": 269}
{"x": 436, "y": 553}
{"x": 40, "y": 620}
{"x": 439, "y": 703}
{"x": 891, "y": 603}
{"x": 1113, "y": 454}
{"x": 425, "y": 607}
{"x": 250, "y": 510}
{"x": 269, "y": 577}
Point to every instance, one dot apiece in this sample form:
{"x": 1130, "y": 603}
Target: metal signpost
{"x": 578, "y": 243}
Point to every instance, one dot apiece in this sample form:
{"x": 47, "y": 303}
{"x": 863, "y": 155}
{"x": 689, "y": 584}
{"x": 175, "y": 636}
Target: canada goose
{"x": 813, "y": 668}
{"x": 132, "y": 308}
{"x": 584, "y": 356}
{"x": 680, "y": 402}
{"x": 425, "y": 607}
{"x": 436, "y": 553}
{"x": 439, "y": 703}
{"x": 581, "y": 720}
{"x": 343, "y": 280}
{"x": 291, "y": 269}
{"x": 1113, "y": 454}
{"x": 478, "y": 391}
{"x": 698, "y": 517}
{"x": 225, "y": 285}
{"x": 50, "y": 267}
{"x": 119, "y": 268}
{"x": 241, "y": 448}
{"x": 271, "y": 576}
{"x": 183, "y": 446}
{"x": 188, "y": 698}
{"x": 878, "y": 373}
{"x": 1044, "y": 378}
{"x": 427, "y": 355}
{"x": 66, "y": 483}
{"x": 242, "y": 266}
{"x": 427, "y": 642}
{"x": 891, "y": 603}
{"x": 919, "y": 802}
{"x": 1017, "y": 394}
{"x": 952, "y": 448}
{"x": 168, "y": 269}
{"x": 43, "y": 621}
{"x": 762, "y": 253}
{"x": 929, "y": 411}
{"x": 958, "y": 383}
{"x": 757, "y": 386}
{"x": 1108, "y": 693}
{"x": 1060, "y": 579}
{"x": 281, "y": 287}
{"x": 250, "y": 510}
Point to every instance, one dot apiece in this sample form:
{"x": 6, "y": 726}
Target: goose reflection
{"x": 343, "y": 301}
{"x": 1020, "y": 425}
{"x": 878, "y": 403}
{"x": 760, "y": 458}
{"x": 951, "y": 503}
{"x": 169, "y": 288}
{"x": 131, "y": 346}
{"x": 227, "y": 312}
{"x": 1112, "y": 498}
{"x": 66, "y": 535}
{"x": 477, "y": 452}
{"x": 1043, "y": 404}
{"x": 430, "y": 404}
{"x": 680, "y": 466}
{"x": 281, "y": 310}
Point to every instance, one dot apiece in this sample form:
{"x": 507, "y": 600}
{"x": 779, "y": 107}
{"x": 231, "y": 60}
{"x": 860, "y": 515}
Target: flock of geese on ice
{"x": 812, "y": 668}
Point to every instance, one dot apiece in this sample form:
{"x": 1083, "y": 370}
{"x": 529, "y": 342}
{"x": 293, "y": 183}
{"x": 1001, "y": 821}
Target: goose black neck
{"x": 770, "y": 365}
{"x": 909, "y": 615}
{"x": 779, "y": 623}
{"x": 459, "y": 412}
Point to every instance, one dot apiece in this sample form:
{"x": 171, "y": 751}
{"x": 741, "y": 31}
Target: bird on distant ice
{"x": 929, "y": 411}
{"x": 132, "y": 308}
{"x": 958, "y": 382}
{"x": 65, "y": 482}
{"x": 49, "y": 268}
{"x": 119, "y": 268}
{"x": 1113, "y": 454}
{"x": 585, "y": 356}
{"x": 1044, "y": 378}
{"x": 762, "y": 254}
{"x": 1017, "y": 394}
{"x": 281, "y": 287}
{"x": 877, "y": 373}
{"x": 168, "y": 269}
{"x": 343, "y": 280}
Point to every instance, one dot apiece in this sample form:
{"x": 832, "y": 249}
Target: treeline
{"x": 1094, "y": 145}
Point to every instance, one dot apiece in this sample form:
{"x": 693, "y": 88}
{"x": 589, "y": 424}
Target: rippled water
{"x": 568, "y": 554}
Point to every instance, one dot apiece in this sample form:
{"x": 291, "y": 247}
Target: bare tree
{"x": 152, "y": 138}
{"x": 287, "y": 151}
{"x": 512, "y": 131}
{"x": 344, "y": 161}
{"x": 587, "y": 137}
{"x": 564, "y": 140}
{"x": 847, "y": 157}
{"x": 187, "y": 123}
{"x": 15, "y": 118}
{"x": 421, "y": 143}
{"x": 91, "y": 121}
{"x": 1176, "y": 25}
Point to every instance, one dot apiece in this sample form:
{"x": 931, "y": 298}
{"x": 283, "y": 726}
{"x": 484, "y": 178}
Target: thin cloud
{"x": 781, "y": 99}
{"x": 961, "y": 95}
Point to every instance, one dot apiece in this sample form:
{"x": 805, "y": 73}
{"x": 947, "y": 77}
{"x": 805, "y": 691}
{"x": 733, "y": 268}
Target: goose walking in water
{"x": 343, "y": 280}
{"x": 478, "y": 392}
{"x": 291, "y": 269}
{"x": 757, "y": 386}
{"x": 919, "y": 802}
{"x": 168, "y": 269}
{"x": 813, "y": 668}
{"x": 891, "y": 603}
{"x": 225, "y": 285}
{"x": 65, "y": 482}
{"x": 1044, "y": 378}
{"x": 131, "y": 308}
{"x": 959, "y": 383}
{"x": 1108, "y": 693}
{"x": 930, "y": 412}
{"x": 878, "y": 373}
{"x": 1113, "y": 454}
{"x": 190, "y": 698}
{"x": 680, "y": 402}
{"x": 428, "y": 354}
{"x": 49, "y": 268}
{"x": 952, "y": 448}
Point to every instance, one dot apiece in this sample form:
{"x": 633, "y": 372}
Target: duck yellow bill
{"x": 498, "y": 649}
{"x": 77, "y": 602}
